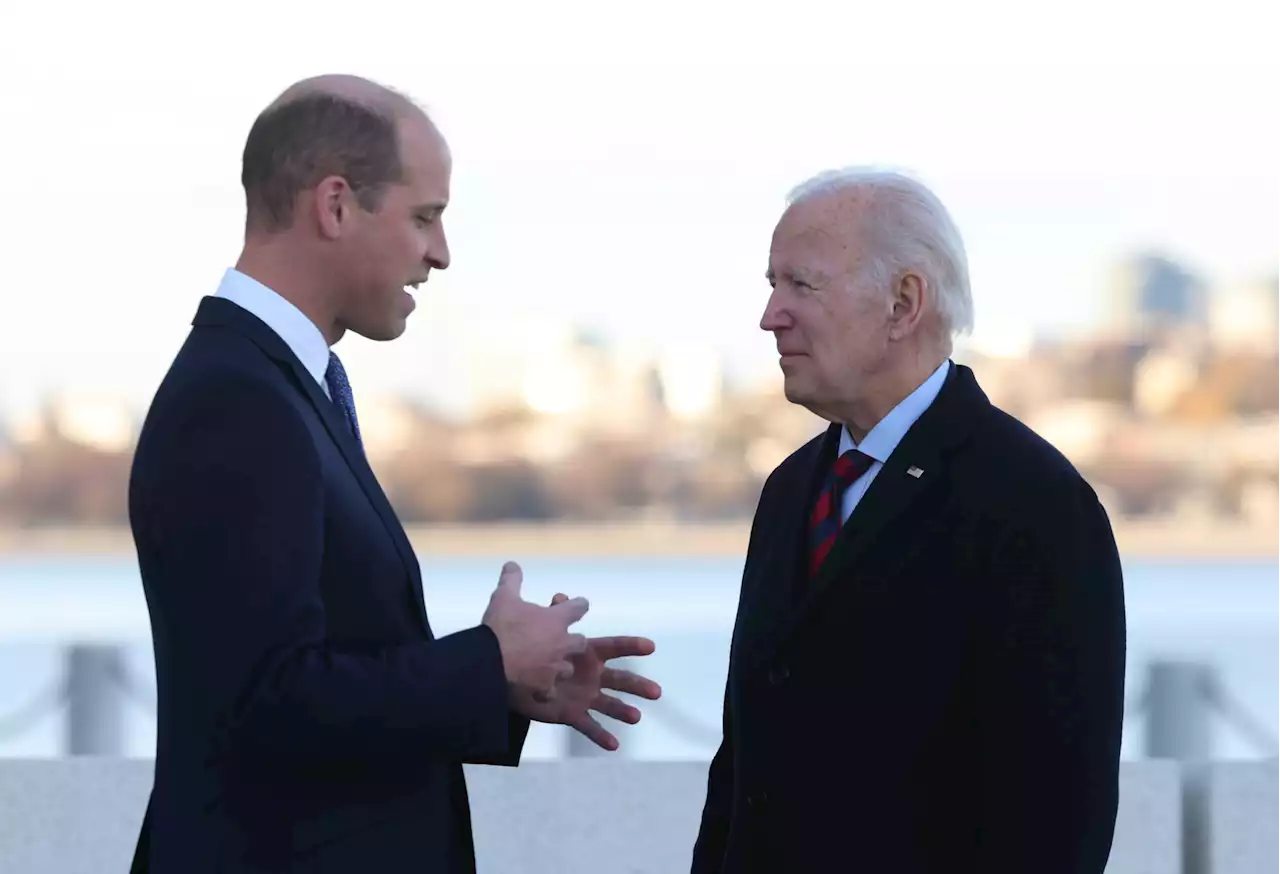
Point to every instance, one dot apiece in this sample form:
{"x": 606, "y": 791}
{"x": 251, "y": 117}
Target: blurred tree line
{"x": 499, "y": 467}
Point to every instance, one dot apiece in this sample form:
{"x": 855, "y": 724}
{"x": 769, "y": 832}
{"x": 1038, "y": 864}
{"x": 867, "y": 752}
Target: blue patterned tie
{"x": 335, "y": 376}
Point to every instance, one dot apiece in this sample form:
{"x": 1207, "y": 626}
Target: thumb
{"x": 560, "y": 598}
{"x": 511, "y": 578}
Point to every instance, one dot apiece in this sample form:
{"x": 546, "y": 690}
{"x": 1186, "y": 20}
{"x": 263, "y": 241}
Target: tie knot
{"x": 336, "y": 375}
{"x": 335, "y": 368}
{"x": 850, "y": 466}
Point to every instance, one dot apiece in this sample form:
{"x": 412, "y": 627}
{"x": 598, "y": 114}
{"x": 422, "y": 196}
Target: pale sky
{"x": 623, "y": 170}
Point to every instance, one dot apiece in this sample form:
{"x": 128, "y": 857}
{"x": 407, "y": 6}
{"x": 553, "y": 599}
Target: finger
{"x": 596, "y": 733}
{"x": 560, "y": 598}
{"x": 564, "y": 670}
{"x": 511, "y": 578}
{"x": 544, "y": 697}
{"x": 575, "y": 644}
{"x": 615, "y": 708}
{"x": 633, "y": 684}
{"x": 573, "y": 609}
{"x": 622, "y": 647}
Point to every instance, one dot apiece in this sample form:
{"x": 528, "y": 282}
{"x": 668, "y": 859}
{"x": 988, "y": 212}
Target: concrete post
{"x": 95, "y": 700}
{"x": 1180, "y": 704}
{"x": 1179, "y": 711}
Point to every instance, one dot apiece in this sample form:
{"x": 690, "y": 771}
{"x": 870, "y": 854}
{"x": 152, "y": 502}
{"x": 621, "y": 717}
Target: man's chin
{"x": 391, "y": 330}
{"x": 804, "y": 396}
{"x": 796, "y": 392}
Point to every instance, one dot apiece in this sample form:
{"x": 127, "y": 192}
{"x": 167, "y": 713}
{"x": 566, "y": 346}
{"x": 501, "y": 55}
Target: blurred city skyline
{"x": 574, "y": 428}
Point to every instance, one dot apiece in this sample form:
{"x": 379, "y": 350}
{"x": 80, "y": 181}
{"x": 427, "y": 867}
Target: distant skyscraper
{"x": 1151, "y": 294}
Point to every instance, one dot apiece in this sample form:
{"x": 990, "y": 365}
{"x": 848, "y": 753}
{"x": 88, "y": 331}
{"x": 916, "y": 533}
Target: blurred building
{"x": 388, "y": 424}
{"x": 585, "y": 383}
{"x": 1162, "y": 379}
{"x": 1080, "y": 429}
{"x": 692, "y": 383}
{"x": 1149, "y": 296}
{"x": 9, "y": 462}
{"x": 102, "y": 422}
{"x": 1246, "y": 317}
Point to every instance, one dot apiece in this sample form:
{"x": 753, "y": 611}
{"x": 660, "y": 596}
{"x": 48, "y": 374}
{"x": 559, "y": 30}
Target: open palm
{"x": 577, "y": 696}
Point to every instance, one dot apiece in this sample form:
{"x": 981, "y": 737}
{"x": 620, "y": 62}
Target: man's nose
{"x": 775, "y": 317}
{"x": 438, "y": 251}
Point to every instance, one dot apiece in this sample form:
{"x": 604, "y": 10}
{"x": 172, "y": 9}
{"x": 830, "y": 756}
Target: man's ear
{"x": 910, "y": 292}
{"x": 331, "y": 205}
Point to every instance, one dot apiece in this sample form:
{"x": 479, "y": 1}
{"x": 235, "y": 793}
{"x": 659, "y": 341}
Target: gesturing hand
{"x": 535, "y": 641}
{"x": 582, "y": 692}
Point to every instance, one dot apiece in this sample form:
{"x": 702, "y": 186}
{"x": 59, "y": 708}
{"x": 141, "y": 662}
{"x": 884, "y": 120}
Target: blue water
{"x": 1226, "y": 613}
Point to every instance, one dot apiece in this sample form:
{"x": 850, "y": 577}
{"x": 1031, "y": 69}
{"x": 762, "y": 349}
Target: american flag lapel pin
{"x": 914, "y": 471}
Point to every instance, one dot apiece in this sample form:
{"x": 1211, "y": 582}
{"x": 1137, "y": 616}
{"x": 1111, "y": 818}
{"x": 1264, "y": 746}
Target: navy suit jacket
{"x": 307, "y": 717}
{"x": 947, "y": 694}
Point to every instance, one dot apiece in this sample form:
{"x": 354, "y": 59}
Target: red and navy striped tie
{"x": 825, "y": 522}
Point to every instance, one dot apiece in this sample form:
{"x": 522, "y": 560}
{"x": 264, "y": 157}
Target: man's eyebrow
{"x": 432, "y": 206}
{"x": 808, "y": 277}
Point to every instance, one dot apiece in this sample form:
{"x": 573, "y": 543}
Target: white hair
{"x": 906, "y": 227}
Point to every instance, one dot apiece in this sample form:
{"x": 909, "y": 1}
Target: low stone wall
{"x": 81, "y": 816}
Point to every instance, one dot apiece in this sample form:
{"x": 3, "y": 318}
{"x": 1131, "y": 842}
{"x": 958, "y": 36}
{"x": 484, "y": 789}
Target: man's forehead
{"x": 806, "y": 244}
{"x": 811, "y": 246}
{"x": 825, "y": 217}
{"x": 418, "y": 134}
{"x": 426, "y": 157}
{"x": 835, "y": 213}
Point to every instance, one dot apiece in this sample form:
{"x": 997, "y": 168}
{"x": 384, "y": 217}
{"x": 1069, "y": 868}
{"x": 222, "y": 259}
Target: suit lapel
{"x": 217, "y": 311}
{"x": 891, "y": 493}
{"x": 912, "y": 470}
{"x": 787, "y": 559}
{"x": 351, "y": 450}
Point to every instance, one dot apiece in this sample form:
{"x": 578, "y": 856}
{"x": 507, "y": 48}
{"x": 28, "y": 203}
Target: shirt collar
{"x": 889, "y": 431}
{"x": 299, "y": 333}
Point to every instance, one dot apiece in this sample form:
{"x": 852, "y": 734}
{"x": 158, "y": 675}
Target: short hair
{"x": 295, "y": 144}
{"x": 906, "y": 226}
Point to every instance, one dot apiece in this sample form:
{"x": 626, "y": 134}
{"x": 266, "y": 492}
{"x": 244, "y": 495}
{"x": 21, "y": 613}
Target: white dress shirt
{"x": 887, "y": 434}
{"x": 298, "y": 332}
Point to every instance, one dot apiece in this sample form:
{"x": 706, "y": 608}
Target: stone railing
{"x": 586, "y": 816}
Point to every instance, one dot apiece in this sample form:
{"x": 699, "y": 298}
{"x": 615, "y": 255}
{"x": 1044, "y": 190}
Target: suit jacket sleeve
{"x": 713, "y": 834}
{"x": 1053, "y": 684}
{"x": 517, "y": 733}
{"x": 227, "y": 498}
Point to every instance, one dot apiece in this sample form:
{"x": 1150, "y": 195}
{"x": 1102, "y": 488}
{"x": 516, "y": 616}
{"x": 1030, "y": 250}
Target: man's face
{"x": 831, "y": 329}
{"x": 400, "y": 243}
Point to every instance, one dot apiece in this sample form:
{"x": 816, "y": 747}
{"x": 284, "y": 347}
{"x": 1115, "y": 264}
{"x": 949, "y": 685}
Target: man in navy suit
{"x": 308, "y": 718}
{"x": 927, "y": 668}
